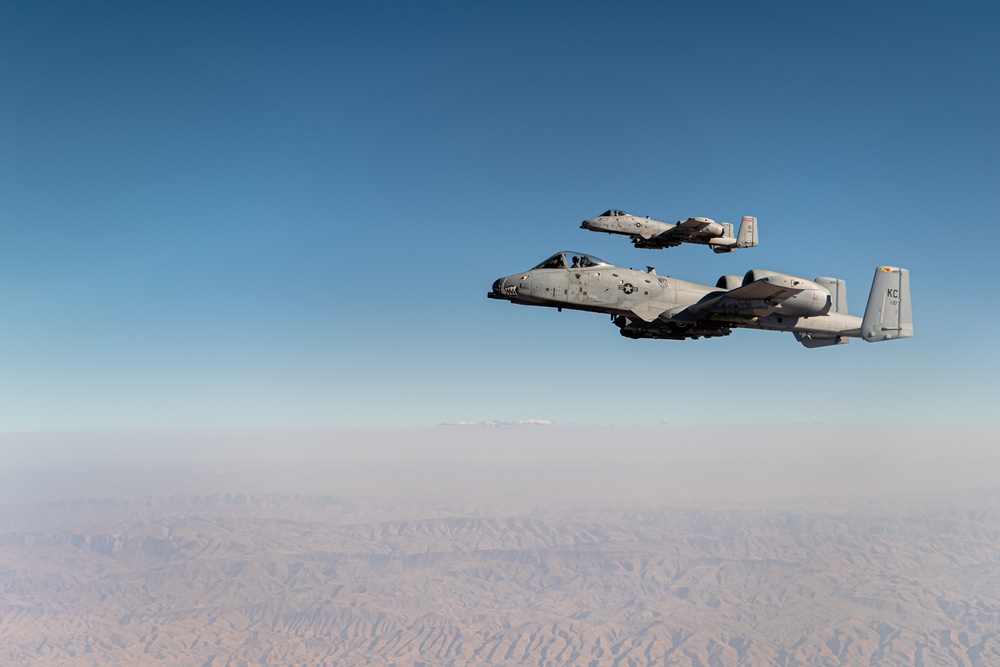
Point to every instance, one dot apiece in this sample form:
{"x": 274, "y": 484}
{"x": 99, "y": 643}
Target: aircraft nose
{"x": 506, "y": 287}
{"x": 586, "y": 223}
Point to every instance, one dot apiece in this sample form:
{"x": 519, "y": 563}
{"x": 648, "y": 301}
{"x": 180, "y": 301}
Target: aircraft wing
{"x": 757, "y": 294}
{"x": 666, "y": 239}
{"x": 670, "y": 330}
{"x": 677, "y": 234}
{"x": 762, "y": 289}
{"x": 694, "y": 224}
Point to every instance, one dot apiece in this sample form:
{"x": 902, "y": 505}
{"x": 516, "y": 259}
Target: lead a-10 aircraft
{"x": 646, "y": 233}
{"x": 645, "y": 305}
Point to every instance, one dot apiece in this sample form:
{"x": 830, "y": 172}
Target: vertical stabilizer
{"x": 748, "y": 233}
{"x": 838, "y": 293}
{"x": 889, "y": 313}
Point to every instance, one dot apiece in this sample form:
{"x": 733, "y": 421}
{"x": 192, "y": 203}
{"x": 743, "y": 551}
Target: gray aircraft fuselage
{"x": 646, "y": 305}
{"x": 648, "y": 233}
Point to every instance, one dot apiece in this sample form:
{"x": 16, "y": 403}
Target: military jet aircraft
{"x": 646, "y": 305}
{"x": 648, "y": 233}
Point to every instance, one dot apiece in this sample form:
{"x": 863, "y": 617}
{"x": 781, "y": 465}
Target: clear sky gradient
{"x": 288, "y": 215}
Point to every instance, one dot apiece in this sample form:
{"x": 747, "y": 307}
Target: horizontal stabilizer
{"x": 813, "y": 341}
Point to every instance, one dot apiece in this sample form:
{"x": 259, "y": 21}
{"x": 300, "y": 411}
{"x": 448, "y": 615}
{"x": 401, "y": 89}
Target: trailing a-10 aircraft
{"x": 645, "y": 305}
{"x": 646, "y": 233}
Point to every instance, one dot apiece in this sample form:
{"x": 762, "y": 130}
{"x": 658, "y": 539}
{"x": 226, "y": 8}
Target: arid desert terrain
{"x": 395, "y": 578}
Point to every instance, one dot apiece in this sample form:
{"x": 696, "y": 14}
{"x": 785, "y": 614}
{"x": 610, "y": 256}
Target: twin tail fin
{"x": 889, "y": 313}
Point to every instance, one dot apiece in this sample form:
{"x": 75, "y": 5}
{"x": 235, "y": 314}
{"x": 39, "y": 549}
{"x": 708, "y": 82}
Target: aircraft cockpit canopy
{"x": 571, "y": 260}
{"x": 613, "y": 213}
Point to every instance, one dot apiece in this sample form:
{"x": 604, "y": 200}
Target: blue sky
{"x": 287, "y": 216}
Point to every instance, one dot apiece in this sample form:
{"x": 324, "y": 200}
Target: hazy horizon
{"x": 661, "y": 462}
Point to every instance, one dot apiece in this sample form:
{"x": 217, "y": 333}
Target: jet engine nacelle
{"x": 813, "y": 300}
{"x": 729, "y": 282}
{"x": 754, "y": 275}
{"x": 713, "y": 228}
